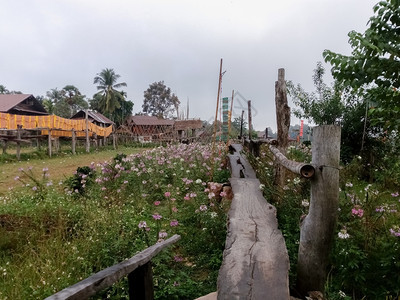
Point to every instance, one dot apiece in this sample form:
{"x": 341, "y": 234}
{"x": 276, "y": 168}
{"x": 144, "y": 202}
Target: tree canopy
{"x": 323, "y": 106}
{"x": 66, "y": 102}
{"x": 374, "y": 64}
{"x": 159, "y": 101}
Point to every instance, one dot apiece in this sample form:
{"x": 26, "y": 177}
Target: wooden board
{"x": 105, "y": 278}
{"x": 240, "y": 168}
{"x": 255, "y": 263}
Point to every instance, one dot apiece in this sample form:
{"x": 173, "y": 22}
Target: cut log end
{"x": 307, "y": 171}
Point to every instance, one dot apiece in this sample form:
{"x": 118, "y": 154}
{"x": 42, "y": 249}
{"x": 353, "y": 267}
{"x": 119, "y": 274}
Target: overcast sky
{"x": 46, "y": 44}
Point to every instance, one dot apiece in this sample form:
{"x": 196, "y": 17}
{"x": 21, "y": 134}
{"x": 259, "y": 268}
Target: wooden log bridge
{"x": 255, "y": 263}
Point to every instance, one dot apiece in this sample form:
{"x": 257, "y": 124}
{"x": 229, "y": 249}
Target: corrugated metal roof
{"x": 149, "y": 120}
{"x": 98, "y": 117}
{"x": 8, "y": 101}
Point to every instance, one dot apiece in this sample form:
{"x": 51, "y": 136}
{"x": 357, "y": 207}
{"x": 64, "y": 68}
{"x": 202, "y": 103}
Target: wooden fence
{"x": 138, "y": 270}
{"x": 318, "y": 227}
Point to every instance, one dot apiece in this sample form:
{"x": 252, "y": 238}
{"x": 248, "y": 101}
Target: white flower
{"x": 305, "y": 203}
{"x": 343, "y": 234}
{"x": 262, "y": 186}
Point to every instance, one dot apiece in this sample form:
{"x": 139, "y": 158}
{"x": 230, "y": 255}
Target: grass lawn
{"x": 59, "y": 167}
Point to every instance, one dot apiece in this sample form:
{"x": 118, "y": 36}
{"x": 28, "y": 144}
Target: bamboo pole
{"x": 215, "y": 120}
{"x": 230, "y": 115}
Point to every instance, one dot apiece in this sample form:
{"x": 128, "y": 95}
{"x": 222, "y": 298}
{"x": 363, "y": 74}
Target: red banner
{"x": 301, "y": 127}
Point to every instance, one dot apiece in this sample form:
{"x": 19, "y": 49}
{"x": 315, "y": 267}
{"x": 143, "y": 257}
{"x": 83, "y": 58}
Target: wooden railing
{"x": 137, "y": 268}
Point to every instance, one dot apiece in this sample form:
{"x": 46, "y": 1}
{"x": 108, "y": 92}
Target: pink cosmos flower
{"x": 142, "y": 224}
{"x": 174, "y": 223}
{"x": 167, "y": 194}
{"x": 359, "y": 212}
{"x": 156, "y": 203}
{"x": 157, "y": 217}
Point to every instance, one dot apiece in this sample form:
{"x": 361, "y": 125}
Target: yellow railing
{"x": 58, "y": 125}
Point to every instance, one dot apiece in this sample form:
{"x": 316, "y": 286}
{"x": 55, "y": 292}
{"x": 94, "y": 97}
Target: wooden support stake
{"x": 318, "y": 227}
{"x": 140, "y": 283}
{"x": 249, "y": 111}
{"x": 87, "y": 132}
{"x": 241, "y": 125}
{"x": 5, "y": 144}
{"x": 73, "y": 141}
{"x": 19, "y": 128}
{"x": 49, "y": 142}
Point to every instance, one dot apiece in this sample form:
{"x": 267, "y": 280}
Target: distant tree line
{"x": 110, "y": 100}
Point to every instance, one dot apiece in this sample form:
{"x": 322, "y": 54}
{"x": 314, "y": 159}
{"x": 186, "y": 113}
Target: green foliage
{"x": 158, "y": 100}
{"x": 374, "y": 64}
{"x": 81, "y": 181}
{"x": 65, "y": 102}
{"x": 366, "y": 253}
{"x": 324, "y": 106}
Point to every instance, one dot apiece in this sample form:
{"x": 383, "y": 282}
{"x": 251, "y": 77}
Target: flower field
{"x": 55, "y": 233}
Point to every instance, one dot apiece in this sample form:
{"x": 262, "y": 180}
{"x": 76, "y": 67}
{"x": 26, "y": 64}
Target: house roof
{"x": 149, "y": 120}
{"x": 14, "y": 102}
{"x": 98, "y": 117}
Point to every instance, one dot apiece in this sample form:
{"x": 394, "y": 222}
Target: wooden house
{"x": 187, "y": 128}
{"x": 151, "y": 128}
{"x": 21, "y": 104}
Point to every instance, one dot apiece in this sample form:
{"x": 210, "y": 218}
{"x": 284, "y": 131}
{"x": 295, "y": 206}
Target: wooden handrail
{"x": 105, "y": 278}
{"x": 303, "y": 169}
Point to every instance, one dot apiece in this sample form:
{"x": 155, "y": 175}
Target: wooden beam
{"x": 105, "y": 278}
{"x": 303, "y": 169}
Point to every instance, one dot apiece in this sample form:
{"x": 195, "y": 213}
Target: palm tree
{"x": 109, "y": 98}
{"x": 3, "y": 89}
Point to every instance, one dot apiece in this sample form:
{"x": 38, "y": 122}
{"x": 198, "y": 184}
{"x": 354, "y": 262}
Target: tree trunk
{"x": 318, "y": 227}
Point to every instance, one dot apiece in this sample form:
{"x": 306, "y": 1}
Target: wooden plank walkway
{"x": 255, "y": 263}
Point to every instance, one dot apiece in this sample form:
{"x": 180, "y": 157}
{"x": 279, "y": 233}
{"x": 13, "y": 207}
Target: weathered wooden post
{"x": 5, "y": 144}
{"x": 283, "y": 124}
{"x": 241, "y": 125}
{"x": 87, "y": 131}
{"x": 318, "y": 227}
{"x": 19, "y": 128}
{"x": 140, "y": 283}
{"x": 73, "y": 141}
{"x": 249, "y": 115}
{"x": 49, "y": 142}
